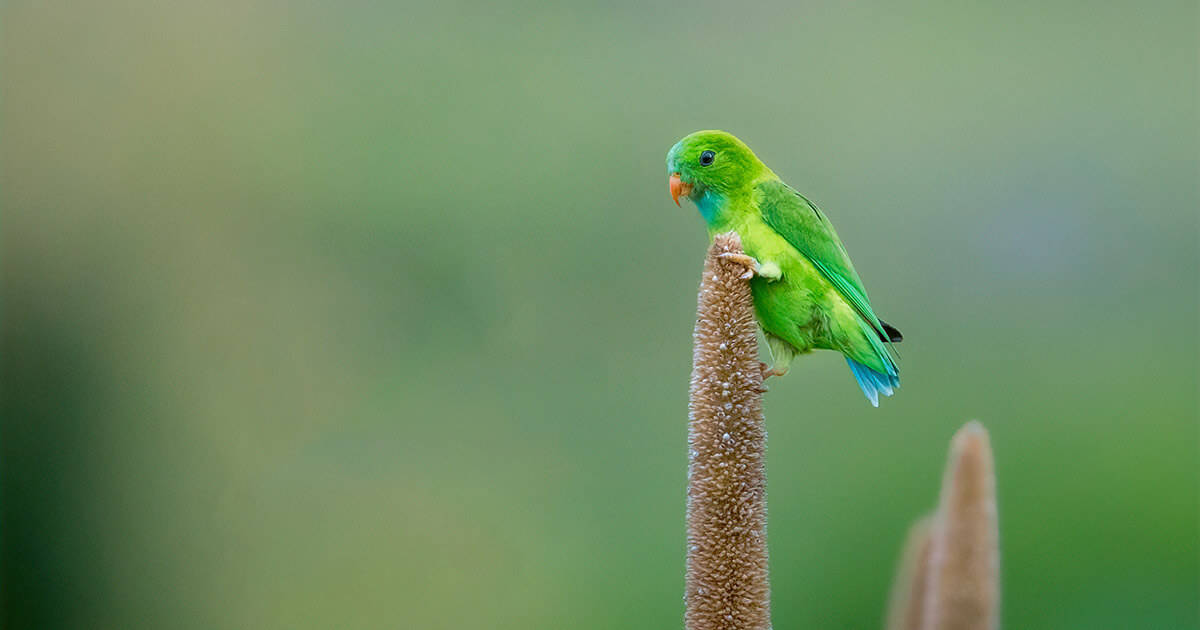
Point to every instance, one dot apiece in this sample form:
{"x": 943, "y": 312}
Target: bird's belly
{"x": 790, "y": 309}
{"x": 794, "y": 307}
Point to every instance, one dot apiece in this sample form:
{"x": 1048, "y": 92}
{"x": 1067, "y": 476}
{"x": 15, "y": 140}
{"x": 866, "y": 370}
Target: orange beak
{"x": 678, "y": 188}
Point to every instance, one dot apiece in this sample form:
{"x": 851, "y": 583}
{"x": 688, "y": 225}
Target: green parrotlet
{"x": 806, "y": 292}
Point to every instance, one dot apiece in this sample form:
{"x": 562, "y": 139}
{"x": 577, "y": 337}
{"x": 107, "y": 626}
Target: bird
{"x": 806, "y": 292}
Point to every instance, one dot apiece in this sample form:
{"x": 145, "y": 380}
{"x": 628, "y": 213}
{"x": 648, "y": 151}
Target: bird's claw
{"x": 768, "y": 371}
{"x": 749, "y": 262}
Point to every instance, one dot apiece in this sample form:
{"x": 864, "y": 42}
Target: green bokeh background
{"x": 367, "y": 315}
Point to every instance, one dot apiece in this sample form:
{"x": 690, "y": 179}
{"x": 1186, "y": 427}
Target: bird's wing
{"x": 806, "y": 228}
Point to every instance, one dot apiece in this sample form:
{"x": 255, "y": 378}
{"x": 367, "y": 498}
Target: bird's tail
{"x": 875, "y": 383}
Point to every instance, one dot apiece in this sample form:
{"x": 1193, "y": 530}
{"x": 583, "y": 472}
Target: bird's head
{"x": 710, "y": 162}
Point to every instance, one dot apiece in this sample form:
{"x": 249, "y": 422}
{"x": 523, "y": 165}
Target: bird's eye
{"x": 707, "y": 158}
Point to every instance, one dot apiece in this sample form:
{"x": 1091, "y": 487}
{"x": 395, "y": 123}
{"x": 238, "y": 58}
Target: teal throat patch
{"x": 709, "y": 204}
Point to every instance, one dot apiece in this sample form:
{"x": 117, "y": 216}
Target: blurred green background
{"x": 357, "y": 315}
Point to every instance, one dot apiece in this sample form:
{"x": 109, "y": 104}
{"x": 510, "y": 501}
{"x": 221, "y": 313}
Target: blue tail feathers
{"x": 873, "y": 383}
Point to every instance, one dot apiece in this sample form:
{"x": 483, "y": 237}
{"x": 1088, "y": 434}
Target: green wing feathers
{"x": 806, "y": 228}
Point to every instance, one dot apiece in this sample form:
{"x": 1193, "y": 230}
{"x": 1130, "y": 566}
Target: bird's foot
{"x": 768, "y": 270}
{"x": 768, "y": 371}
{"x": 749, "y": 262}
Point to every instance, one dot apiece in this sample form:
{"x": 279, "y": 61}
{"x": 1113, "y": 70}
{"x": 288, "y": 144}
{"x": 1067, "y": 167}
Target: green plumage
{"x": 806, "y": 292}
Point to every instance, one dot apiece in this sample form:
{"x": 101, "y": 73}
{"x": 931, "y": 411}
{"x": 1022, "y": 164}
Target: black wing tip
{"x": 890, "y": 333}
